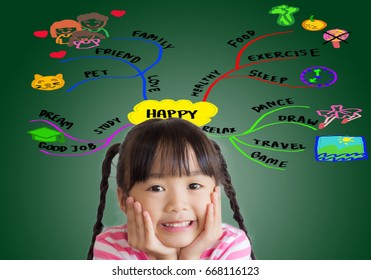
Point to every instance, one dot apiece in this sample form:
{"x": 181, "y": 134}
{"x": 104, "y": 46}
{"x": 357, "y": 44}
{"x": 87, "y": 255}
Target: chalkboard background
{"x": 311, "y": 210}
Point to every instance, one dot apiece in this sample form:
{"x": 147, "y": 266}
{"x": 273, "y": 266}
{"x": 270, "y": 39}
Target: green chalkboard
{"x": 272, "y": 80}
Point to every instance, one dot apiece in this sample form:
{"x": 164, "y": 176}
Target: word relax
{"x": 218, "y": 130}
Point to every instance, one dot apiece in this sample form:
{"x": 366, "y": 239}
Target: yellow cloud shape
{"x": 199, "y": 113}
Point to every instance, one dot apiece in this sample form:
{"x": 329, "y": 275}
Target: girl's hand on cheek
{"x": 211, "y": 233}
{"x": 141, "y": 234}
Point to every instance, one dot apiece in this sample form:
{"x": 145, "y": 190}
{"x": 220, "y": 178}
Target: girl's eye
{"x": 156, "y": 188}
{"x": 194, "y": 186}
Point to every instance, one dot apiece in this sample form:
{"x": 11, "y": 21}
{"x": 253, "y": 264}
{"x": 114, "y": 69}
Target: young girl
{"x": 168, "y": 177}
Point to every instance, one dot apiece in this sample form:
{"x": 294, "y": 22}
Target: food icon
{"x": 312, "y": 24}
{"x": 285, "y": 14}
{"x": 335, "y": 36}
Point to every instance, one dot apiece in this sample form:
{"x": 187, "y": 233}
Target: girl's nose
{"x": 177, "y": 202}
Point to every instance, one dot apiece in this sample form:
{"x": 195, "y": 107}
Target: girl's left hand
{"x": 212, "y": 230}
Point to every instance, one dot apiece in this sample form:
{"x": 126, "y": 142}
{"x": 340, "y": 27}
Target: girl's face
{"x": 177, "y": 205}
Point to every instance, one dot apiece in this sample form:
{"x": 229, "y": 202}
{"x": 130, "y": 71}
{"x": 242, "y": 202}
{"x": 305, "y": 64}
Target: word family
{"x": 153, "y": 37}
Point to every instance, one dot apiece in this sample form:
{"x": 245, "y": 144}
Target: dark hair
{"x": 168, "y": 141}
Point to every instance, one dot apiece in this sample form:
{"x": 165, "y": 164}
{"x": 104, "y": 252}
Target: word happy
{"x": 153, "y": 113}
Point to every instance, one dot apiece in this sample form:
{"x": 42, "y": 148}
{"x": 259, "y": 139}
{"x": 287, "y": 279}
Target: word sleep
{"x": 153, "y": 37}
{"x": 153, "y": 113}
{"x": 56, "y": 118}
{"x": 125, "y": 55}
{"x": 107, "y": 125}
{"x": 258, "y": 74}
{"x": 296, "y": 53}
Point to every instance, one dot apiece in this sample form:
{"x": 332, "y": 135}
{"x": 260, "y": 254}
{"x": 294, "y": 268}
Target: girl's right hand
{"x": 141, "y": 234}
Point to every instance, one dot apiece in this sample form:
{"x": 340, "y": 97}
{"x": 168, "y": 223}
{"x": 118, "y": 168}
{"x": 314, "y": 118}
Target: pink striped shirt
{"x": 112, "y": 244}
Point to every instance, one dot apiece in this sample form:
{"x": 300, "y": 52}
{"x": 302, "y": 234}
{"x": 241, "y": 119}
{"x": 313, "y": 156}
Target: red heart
{"x": 41, "y": 33}
{"x": 59, "y": 54}
{"x": 118, "y": 13}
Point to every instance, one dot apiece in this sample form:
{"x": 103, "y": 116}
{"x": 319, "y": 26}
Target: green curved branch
{"x": 270, "y": 124}
{"x": 221, "y": 136}
{"x": 265, "y": 148}
{"x": 231, "y": 139}
{"x": 268, "y": 113}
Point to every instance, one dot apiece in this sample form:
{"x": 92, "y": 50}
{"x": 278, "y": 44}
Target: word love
{"x": 153, "y": 83}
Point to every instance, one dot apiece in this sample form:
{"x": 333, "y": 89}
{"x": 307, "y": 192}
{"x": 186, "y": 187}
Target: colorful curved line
{"x": 140, "y": 73}
{"x": 239, "y": 67}
{"x": 105, "y": 142}
{"x": 266, "y": 148}
{"x": 250, "y": 158}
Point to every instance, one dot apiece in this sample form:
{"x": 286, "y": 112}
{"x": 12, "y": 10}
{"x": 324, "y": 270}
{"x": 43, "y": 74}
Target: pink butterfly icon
{"x": 338, "y": 112}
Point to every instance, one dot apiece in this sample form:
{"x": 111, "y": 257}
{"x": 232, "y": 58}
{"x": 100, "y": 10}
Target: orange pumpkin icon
{"x": 313, "y": 24}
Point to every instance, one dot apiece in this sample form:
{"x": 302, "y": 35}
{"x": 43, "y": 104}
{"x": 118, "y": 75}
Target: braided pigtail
{"x": 106, "y": 171}
{"x": 231, "y": 194}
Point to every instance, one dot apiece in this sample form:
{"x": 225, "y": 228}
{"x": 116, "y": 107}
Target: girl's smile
{"x": 178, "y": 226}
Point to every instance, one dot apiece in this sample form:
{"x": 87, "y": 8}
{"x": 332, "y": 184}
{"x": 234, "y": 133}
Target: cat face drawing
{"x": 47, "y": 82}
